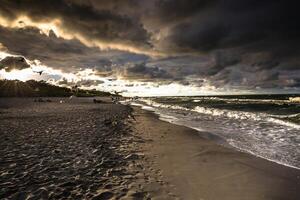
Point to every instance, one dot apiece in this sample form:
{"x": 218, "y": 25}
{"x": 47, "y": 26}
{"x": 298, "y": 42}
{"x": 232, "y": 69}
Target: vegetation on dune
{"x": 32, "y": 88}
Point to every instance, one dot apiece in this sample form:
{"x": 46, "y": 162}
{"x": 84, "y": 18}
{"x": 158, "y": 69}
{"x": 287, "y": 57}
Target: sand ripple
{"x": 69, "y": 151}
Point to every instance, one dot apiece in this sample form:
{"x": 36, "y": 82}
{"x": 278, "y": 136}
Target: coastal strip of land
{"x": 77, "y": 148}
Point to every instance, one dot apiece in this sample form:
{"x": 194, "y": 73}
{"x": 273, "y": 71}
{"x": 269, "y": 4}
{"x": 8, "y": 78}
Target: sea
{"x": 267, "y": 126}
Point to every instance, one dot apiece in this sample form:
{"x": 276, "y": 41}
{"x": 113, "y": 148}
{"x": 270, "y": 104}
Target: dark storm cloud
{"x": 10, "y": 63}
{"x": 234, "y": 23}
{"x": 195, "y": 25}
{"x": 51, "y": 50}
{"x": 294, "y": 83}
{"x": 68, "y": 55}
{"x": 103, "y": 25}
{"x": 142, "y": 72}
{"x": 247, "y": 44}
{"x": 252, "y": 43}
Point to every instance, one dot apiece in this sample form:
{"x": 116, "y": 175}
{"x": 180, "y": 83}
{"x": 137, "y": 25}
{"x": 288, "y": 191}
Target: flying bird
{"x": 39, "y": 72}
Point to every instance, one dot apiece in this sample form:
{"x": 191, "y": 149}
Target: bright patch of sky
{"x": 109, "y": 84}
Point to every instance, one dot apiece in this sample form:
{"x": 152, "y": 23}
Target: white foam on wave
{"x": 256, "y": 133}
{"x": 294, "y": 99}
{"x": 245, "y": 115}
{"x": 286, "y": 116}
{"x": 227, "y": 113}
{"x": 272, "y": 101}
{"x": 241, "y": 115}
{"x": 284, "y": 123}
{"x": 263, "y": 157}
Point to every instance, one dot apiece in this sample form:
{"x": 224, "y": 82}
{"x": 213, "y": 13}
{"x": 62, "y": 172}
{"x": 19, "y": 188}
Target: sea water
{"x": 267, "y": 126}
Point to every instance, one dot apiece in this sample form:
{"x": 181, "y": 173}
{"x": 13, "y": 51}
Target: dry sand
{"x": 81, "y": 150}
{"x": 70, "y": 150}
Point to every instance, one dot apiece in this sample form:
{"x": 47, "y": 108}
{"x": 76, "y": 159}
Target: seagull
{"x": 39, "y": 72}
{"x": 117, "y": 93}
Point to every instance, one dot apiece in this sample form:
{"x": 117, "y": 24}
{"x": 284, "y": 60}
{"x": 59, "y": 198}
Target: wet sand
{"x": 193, "y": 166}
{"x": 80, "y": 150}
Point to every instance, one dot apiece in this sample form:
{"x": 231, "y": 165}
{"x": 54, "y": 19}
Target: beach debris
{"x": 115, "y": 98}
{"x": 42, "y": 100}
{"x": 38, "y": 100}
{"x": 97, "y": 101}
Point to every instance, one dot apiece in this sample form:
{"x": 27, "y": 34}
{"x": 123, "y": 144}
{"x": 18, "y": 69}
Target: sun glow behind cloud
{"x": 30, "y": 73}
{"x": 24, "y": 21}
{"x": 152, "y": 47}
{"x": 128, "y": 88}
{"x": 21, "y": 75}
{"x": 109, "y": 84}
{"x": 57, "y": 26}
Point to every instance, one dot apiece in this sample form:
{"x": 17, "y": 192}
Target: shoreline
{"x": 224, "y": 143}
{"x": 196, "y": 167}
{"x": 217, "y": 139}
{"x": 81, "y": 150}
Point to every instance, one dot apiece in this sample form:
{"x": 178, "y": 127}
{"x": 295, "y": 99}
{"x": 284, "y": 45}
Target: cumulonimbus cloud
{"x": 103, "y": 28}
{"x": 223, "y": 42}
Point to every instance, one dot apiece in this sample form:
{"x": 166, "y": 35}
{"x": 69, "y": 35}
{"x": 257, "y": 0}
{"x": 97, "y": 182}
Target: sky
{"x": 154, "y": 47}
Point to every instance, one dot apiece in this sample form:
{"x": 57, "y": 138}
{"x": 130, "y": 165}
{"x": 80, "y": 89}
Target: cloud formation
{"x": 72, "y": 19}
{"x": 143, "y": 72}
{"x": 207, "y": 25}
{"x": 246, "y": 44}
{"x": 10, "y": 63}
{"x": 80, "y": 83}
{"x": 68, "y": 55}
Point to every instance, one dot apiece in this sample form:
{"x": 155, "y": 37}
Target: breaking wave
{"x": 273, "y": 137}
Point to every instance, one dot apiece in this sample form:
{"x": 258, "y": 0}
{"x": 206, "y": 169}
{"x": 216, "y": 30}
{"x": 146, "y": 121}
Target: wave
{"x": 271, "y": 137}
{"x": 284, "y": 123}
{"x": 241, "y": 115}
{"x": 293, "y": 100}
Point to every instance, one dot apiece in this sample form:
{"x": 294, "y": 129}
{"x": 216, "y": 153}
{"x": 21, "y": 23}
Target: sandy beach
{"x": 194, "y": 166}
{"x": 75, "y": 149}
{"x": 70, "y": 150}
